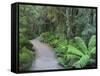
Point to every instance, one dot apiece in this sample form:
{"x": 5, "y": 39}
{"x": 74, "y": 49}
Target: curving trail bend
{"x": 45, "y": 57}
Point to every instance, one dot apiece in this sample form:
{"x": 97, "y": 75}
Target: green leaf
{"x": 82, "y": 62}
{"x": 73, "y": 50}
{"x": 25, "y": 56}
{"x": 81, "y": 45}
{"x": 92, "y": 42}
{"x": 93, "y": 50}
{"x": 70, "y": 56}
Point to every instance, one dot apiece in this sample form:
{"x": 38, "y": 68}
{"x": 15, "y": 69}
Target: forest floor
{"x": 45, "y": 57}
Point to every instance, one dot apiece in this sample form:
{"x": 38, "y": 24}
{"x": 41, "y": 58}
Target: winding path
{"x": 45, "y": 57}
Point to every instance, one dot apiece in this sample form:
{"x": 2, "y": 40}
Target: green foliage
{"x": 24, "y": 42}
{"x": 50, "y": 38}
{"x": 92, "y": 42}
{"x": 26, "y": 53}
{"x": 47, "y": 37}
{"x": 65, "y": 22}
{"x": 74, "y": 53}
{"x": 25, "y": 58}
{"x": 81, "y": 44}
{"x": 82, "y": 62}
{"x": 84, "y": 58}
{"x": 54, "y": 42}
{"x": 70, "y": 31}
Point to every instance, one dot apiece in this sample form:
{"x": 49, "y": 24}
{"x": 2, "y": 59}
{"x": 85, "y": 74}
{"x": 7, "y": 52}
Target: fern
{"x": 71, "y": 56}
{"x": 82, "y": 62}
{"x": 85, "y": 57}
{"x": 73, "y": 50}
{"x": 81, "y": 44}
{"x": 93, "y": 50}
{"x": 92, "y": 42}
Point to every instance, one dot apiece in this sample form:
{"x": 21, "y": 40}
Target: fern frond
{"x": 81, "y": 45}
{"x": 92, "y": 42}
{"x": 71, "y": 56}
{"x": 93, "y": 50}
{"x": 82, "y": 62}
{"x": 73, "y": 50}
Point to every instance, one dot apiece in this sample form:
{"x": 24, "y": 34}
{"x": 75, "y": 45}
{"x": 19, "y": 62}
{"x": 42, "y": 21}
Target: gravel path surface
{"x": 45, "y": 57}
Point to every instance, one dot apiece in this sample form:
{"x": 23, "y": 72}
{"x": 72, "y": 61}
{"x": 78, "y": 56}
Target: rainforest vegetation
{"x": 70, "y": 31}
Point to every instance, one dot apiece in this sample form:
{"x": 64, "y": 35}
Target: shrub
{"x": 61, "y": 47}
{"x": 47, "y": 36}
{"x": 50, "y": 38}
{"x": 24, "y": 42}
{"x": 54, "y": 43}
{"x": 25, "y": 58}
